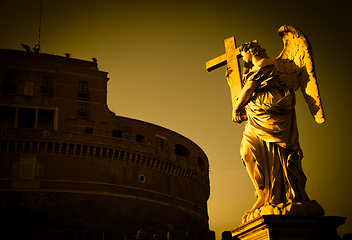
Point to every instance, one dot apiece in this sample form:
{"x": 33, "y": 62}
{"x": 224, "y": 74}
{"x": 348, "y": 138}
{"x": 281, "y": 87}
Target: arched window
{"x": 201, "y": 162}
{"x": 156, "y": 163}
{"x": 182, "y": 151}
{"x": 127, "y": 157}
{"x": 63, "y": 148}
{"x": 70, "y": 149}
{"x": 49, "y": 147}
{"x": 42, "y": 147}
{"x": 19, "y": 146}
{"x": 12, "y": 145}
{"x": 84, "y": 151}
{"x": 97, "y": 152}
{"x": 122, "y": 155}
{"x": 143, "y": 162}
{"x": 57, "y": 148}
{"x": 27, "y": 146}
{"x": 78, "y": 150}
{"x": 104, "y": 153}
{"x": 110, "y": 153}
{"x": 133, "y": 159}
{"x": 3, "y": 145}
{"x": 34, "y": 146}
{"x": 91, "y": 151}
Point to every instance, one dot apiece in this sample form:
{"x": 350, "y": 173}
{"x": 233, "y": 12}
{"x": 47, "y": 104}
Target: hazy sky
{"x": 155, "y": 53}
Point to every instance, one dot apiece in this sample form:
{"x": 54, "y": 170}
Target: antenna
{"x": 37, "y": 46}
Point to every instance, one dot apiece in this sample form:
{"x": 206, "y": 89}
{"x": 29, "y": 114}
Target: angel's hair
{"x": 253, "y": 48}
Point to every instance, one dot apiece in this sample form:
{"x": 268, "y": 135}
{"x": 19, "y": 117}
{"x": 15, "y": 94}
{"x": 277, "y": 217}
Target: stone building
{"x": 72, "y": 169}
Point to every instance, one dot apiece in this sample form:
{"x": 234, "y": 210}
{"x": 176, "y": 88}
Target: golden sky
{"x": 155, "y": 53}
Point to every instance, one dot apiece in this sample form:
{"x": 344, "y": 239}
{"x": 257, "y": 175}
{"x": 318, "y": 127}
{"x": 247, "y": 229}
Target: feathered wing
{"x": 295, "y": 68}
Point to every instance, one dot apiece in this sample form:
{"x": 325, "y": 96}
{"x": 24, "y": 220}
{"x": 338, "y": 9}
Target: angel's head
{"x": 252, "y": 48}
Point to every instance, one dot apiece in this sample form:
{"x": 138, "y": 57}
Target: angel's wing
{"x": 295, "y": 68}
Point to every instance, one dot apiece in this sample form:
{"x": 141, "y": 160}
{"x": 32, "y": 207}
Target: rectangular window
{"x": 45, "y": 119}
{"x": 160, "y": 143}
{"x": 82, "y": 110}
{"x": 47, "y": 88}
{"x": 89, "y": 130}
{"x": 9, "y": 84}
{"x": 140, "y": 138}
{"x": 7, "y": 116}
{"x": 83, "y": 90}
{"x": 26, "y": 117}
{"x": 23, "y": 117}
{"x": 10, "y": 78}
{"x": 117, "y": 133}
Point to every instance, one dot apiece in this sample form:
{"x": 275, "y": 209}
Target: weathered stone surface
{"x": 70, "y": 166}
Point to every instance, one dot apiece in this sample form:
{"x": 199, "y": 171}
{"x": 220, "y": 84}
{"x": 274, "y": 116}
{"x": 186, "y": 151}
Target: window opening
{"x": 201, "y": 162}
{"x": 142, "y": 178}
{"x": 89, "y": 130}
{"x": 160, "y": 143}
{"x": 26, "y": 117}
{"x": 7, "y": 116}
{"x": 19, "y": 146}
{"x": 57, "y": 148}
{"x": 45, "y": 119}
{"x": 9, "y": 84}
{"x": 3, "y": 145}
{"x": 63, "y": 148}
{"x": 82, "y": 110}
{"x": 182, "y": 151}
{"x": 47, "y": 88}
{"x": 83, "y": 90}
{"x": 49, "y": 148}
{"x": 78, "y": 150}
{"x": 139, "y": 138}
{"x": 117, "y": 133}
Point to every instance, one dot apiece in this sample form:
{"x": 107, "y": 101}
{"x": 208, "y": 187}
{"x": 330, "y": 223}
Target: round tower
{"x": 71, "y": 167}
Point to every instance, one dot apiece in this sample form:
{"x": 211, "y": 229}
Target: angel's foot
{"x": 260, "y": 201}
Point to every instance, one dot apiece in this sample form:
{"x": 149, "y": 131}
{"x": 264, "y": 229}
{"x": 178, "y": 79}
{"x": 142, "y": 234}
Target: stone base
{"x": 281, "y": 227}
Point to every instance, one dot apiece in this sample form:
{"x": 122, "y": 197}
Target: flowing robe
{"x": 270, "y": 139}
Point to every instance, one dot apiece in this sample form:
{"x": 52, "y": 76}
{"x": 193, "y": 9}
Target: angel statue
{"x": 270, "y": 149}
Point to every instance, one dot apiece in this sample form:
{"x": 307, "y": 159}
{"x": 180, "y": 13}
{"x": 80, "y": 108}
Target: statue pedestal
{"x": 282, "y": 227}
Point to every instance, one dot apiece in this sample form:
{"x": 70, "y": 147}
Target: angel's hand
{"x": 228, "y": 72}
{"x": 228, "y": 75}
{"x": 247, "y": 67}
{"x": 236, "y": 116}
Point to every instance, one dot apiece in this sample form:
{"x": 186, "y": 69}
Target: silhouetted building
{"x": 71, "y": 169}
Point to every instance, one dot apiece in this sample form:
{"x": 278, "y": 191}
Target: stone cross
{"x": 231, "y": 59}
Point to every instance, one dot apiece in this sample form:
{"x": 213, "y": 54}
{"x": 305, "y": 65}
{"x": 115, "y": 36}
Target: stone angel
{"x": 270, "y": 149}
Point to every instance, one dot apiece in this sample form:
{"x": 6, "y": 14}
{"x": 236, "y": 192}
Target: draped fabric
{"x": 270, "y": 139}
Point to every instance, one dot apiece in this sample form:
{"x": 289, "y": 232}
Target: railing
{"x": 46, "y": 91}
{"x": 83, "y": 96}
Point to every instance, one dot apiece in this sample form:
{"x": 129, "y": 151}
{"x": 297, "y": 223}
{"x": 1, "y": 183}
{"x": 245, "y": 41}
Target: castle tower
{"x": 72, "y": 169}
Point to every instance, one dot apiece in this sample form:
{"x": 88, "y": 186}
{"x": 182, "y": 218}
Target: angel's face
{"x": 246, "y": 56}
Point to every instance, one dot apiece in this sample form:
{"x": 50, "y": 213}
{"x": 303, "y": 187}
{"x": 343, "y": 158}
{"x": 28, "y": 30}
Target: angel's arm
{"x": 243, "y": 99}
